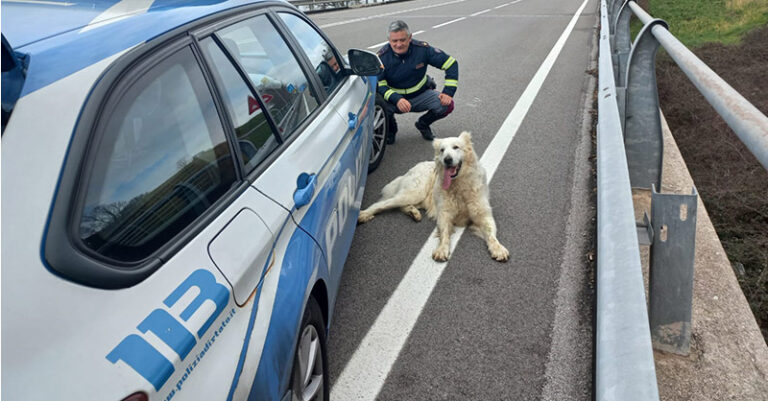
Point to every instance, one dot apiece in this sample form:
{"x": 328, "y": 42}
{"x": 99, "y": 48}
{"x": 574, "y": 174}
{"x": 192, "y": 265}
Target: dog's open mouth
{"x": 449, "y": 174}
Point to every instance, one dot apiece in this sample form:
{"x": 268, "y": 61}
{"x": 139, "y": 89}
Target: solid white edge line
{"x": 449, "y": 22}
{"x": 365, "y": 373}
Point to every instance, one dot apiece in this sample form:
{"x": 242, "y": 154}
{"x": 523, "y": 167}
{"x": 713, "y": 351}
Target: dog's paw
{"x": 441, "y": 254}
{"x": 364, "y": 217}
{"x": 415, "y": 214}
{"x": 499, "y": 253}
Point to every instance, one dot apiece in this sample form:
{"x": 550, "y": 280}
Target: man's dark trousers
{"x": 425, "y": 101}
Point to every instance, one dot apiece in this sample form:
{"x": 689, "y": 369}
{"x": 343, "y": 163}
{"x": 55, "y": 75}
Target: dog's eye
{"x": 455, "y": 146}
{"x": 442, "y": 150}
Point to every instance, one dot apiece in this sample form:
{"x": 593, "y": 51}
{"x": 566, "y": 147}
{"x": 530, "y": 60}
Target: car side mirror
{"x": 364, "y": 62}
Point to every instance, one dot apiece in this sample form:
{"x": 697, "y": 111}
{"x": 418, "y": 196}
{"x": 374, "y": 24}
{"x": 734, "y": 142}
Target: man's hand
{"x": 403, "y": 105}
{"x": 445, "y": 100}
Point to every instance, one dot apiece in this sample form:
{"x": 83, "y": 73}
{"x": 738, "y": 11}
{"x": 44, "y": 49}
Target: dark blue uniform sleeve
{"x": 438, "y": 58}
{"x": 383, "y": 86}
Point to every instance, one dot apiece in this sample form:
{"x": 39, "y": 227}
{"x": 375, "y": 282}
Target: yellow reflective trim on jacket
{"x": 451, "y": 82}
{"x": 411, "y": 89}
{"x": 388, "y": 93}
{"x": 448, "y": 63}
{"x": 383, "y": 82}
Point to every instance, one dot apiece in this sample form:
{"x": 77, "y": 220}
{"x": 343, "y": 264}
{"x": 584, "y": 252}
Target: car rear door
{"x": 266, "y": 96}
{"x": 332, "y": 216}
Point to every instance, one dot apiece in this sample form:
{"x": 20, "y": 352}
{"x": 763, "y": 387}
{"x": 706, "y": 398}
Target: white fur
{"x": 464, "y": 203}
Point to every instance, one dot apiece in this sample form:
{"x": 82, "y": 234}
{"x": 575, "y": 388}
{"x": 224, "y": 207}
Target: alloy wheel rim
{"x": 308, "y": 384}
{"x": 379, "y": 133}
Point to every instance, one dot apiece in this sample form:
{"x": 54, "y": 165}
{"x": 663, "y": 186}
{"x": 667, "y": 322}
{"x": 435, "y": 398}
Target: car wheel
{"x": 309, "y": 381}
{"x": 380, "y": 130}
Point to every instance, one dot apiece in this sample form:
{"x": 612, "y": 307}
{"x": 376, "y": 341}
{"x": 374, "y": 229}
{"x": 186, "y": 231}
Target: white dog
{"x": 452, "y": 188}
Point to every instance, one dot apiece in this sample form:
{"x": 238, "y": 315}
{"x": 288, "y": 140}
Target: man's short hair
{"x": 397, "y": 26}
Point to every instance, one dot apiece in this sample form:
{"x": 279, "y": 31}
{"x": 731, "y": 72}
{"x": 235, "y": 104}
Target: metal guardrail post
{"x": 670, "y": 287}
{"x": 642, "y": 120}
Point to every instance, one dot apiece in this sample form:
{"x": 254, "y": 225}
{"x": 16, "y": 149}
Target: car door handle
{"x": 305, "y": 188}
{"x": 352, "y": 120}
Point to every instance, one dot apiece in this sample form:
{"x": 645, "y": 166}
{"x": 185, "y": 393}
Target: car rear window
{"x": 161, "y": 161}
{"x": 274, "y": 71}
{"x": 254, "y": 133}
{"x": 320, "y": 53}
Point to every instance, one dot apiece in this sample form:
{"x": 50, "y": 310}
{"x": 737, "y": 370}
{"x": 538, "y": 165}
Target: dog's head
{"x": 451, "y": 154}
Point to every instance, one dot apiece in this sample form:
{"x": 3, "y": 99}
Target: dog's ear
{"x": 466, "y": 137}
{"x": 436, "y": 144}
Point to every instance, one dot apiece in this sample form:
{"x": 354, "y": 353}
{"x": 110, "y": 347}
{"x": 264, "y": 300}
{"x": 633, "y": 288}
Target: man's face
{"x": 334, "y": 64}
{"x": 399, "y": 41}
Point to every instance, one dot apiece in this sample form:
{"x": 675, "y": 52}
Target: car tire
{"x": 309, "y": 378}
{"x": 380, "y": 130}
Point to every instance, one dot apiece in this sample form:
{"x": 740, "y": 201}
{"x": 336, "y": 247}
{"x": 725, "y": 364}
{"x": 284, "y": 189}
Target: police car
{"x": 180, "y": 186}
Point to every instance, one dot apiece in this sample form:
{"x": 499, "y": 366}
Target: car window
{"x": 254, "y": 134}
{"x": 273, "y": 69}
{"x": 320, "y": 53}
{"x": 161, "y": 161}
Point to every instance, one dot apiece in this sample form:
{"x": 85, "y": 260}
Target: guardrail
{"x": 629, "y": 155}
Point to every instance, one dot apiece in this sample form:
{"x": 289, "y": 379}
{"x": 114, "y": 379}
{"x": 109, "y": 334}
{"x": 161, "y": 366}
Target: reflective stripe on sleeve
{"x": 388, "y": 93}
{"x": 383, "y": 82}
{"x": 451, "y": 82}
{"x": 448, "y": 63}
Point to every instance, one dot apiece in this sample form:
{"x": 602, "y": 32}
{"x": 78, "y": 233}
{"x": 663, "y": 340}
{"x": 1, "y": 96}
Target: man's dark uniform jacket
{"x": 405, "y": 76}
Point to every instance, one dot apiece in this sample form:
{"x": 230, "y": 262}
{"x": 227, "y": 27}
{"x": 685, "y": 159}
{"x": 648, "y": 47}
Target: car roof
{"x": 65, "y": 36}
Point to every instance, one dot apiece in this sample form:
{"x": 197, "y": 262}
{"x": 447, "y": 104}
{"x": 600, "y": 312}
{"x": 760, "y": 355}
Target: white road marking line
{"x": 501, "y": 6}
{"x": 498, "y": 146}
{"x": 387, "y": 14}
{"x": 367, "y": 370}
{"x": 449, "y": 22}
{"x": 479, "y": 12}
{"x": 378, "y": 45}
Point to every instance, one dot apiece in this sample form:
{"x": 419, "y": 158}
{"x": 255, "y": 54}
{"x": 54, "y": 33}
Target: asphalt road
{"x": 475, "y": 329}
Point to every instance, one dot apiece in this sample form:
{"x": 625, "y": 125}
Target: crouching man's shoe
{"x": 426, "y": 132}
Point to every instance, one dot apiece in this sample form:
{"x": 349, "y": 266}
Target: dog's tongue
{"x": 449, "y": 171}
